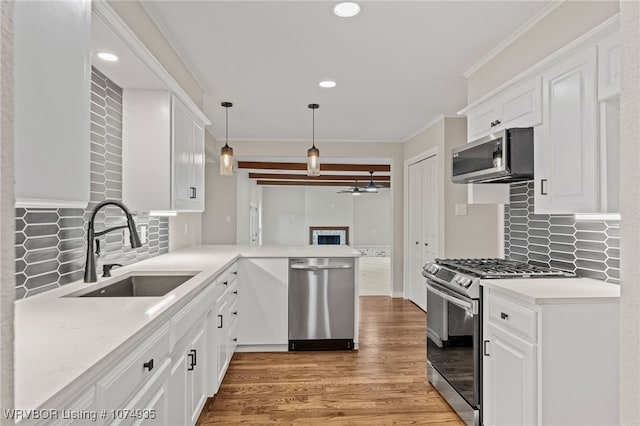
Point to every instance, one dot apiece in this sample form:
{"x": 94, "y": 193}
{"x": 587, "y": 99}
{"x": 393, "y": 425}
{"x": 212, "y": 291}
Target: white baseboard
{"x": 262, "y": 348}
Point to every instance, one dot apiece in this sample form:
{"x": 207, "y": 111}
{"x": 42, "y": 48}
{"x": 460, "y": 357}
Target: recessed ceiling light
{"x": 105, "y": 56}
{"x": 327, "y": 83}
{"x": 346, "y": 9}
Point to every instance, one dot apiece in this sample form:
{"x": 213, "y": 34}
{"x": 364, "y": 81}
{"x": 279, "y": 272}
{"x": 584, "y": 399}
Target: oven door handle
{"x": 467, "y": 306}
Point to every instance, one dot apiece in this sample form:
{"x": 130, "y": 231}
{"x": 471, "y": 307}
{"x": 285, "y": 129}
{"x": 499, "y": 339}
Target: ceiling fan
{"x": 371, "y": 188}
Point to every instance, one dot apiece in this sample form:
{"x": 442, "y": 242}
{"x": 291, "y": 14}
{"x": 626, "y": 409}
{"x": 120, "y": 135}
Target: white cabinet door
{"x": 177, "y": 391}
{"x": 182, "y": 156}
{"x": 509, "y": 379}
{"x": 263, "y": 302}
{"x": 566, "y": 161}
{"x": 162, "y": 153}
{"x": 196, "y": 372}
{"x": 521, "y": 106}
{"x": 609, "y": 67}
{"x": 222, "y": 334}
{"x": 52, "y": 45}
{"x": 483, "y": 119}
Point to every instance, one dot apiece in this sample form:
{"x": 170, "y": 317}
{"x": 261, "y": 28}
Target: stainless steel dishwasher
{"x": 321, "y": 303}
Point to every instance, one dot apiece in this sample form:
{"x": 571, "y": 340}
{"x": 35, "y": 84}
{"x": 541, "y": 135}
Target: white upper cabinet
{"x": 163, "y": 153}
{"x": 519, "y": 106}
{"x": 566, "y": 145}
{"x": 609, "y": 67}
{"x": 52, "y": 79}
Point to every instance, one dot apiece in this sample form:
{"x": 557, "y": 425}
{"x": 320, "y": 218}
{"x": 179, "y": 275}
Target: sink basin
{"x": 138, "y": 286}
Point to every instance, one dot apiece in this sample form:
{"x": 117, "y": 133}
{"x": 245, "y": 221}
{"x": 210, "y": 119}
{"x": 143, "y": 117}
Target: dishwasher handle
{"x": 305, "y": 267}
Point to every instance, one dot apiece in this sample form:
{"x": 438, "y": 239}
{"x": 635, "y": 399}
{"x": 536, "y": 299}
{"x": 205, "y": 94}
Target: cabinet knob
{"x": 148, "y": 365}
{"x": 235, "y": 313}
{"x": 226, "y": 283}
{"x": 504, "y": 316}
{"x": 235, "y": 339}
{"x": 235, "y": 292}
{"x": 235, "y": 272}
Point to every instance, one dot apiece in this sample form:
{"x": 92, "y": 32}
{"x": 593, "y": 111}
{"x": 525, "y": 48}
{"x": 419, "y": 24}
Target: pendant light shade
{"x": 313, "y": 154}
{"x": 226, "y": 152}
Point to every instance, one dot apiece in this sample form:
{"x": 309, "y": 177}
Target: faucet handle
{"x": 106, "y": 269}
{"x": 98, "y": 247}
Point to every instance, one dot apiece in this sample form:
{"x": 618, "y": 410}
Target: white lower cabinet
{"x": 263, "y": 284}
{"x": 509, "y": 378}
{"x": 549, "y": 364}
{"x": 187, "y": 384}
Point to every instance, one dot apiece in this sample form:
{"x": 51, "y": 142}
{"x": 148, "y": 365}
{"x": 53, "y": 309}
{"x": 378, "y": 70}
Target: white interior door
{"x": 423, "y": 225}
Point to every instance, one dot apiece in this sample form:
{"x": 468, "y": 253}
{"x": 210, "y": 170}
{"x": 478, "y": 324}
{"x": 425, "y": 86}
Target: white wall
{"x": 630, "y": 223}
{"x": 372, "y": 219}
{"x": 325, "y": 207}
{"x": 283, "y": 215}
{"x": 219, "y": 217}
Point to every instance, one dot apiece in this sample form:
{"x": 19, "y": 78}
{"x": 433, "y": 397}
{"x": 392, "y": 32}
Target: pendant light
{"x": 226, "y": 153}
{"x": 313, "y": 154}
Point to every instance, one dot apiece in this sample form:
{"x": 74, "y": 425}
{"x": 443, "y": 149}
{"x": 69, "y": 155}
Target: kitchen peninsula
{"x": 98, "y": 353}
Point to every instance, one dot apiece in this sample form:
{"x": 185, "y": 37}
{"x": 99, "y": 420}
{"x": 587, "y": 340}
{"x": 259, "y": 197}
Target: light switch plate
{"x": 461, "y": 209}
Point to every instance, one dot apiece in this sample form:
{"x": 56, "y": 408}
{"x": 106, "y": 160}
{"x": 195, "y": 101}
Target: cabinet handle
{"x": 235, "y": 272}
{"x": 235, "y": 313}
{"x": 484, "y": 348}
{"x": 504, "y": 316}
{"x": 220, "y": 316}
{"x": 192, "y": 359}
{"x": 235, "y": 292}
{"x": 542, "y": 190}
{"x": 226, "y": 283}
{"x": 148, "y": 365}
{"x": 235, "y": 339}
{"x": 192, "y": 192}
{"x": 493, "y": 124}
{"x": 497, "y": 122}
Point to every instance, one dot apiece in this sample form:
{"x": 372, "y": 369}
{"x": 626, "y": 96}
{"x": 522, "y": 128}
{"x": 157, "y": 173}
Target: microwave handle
{"x": 467, "y": 306}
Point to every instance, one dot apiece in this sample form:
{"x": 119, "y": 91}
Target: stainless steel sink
{"x": 138, "y": 286}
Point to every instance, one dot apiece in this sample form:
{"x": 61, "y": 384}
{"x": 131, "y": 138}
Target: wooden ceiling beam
{"x": 290, "y": 176}
{"x": 262, "y": 165}
{"x": 315, "y": 183}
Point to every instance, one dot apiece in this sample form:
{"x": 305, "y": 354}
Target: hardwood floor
{"x": 382, "y": 383}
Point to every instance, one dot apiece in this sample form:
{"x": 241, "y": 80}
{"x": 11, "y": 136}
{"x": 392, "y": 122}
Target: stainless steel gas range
{"x": 454, "y": 325}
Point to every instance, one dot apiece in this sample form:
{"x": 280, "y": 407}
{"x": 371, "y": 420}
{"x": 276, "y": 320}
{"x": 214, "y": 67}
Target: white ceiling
{"x": 398, "y": 64}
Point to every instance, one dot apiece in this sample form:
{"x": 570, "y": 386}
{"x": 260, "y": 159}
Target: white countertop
{"x": 59, "y": 339}
{"x": 542, "y": 291}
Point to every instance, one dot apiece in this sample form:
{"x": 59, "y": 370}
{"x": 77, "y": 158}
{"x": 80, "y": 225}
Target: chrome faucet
{"x": 134, "y": 239}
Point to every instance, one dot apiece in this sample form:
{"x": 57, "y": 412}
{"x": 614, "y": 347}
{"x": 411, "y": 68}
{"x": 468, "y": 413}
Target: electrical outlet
{"x": 143, "y": 234}
{"x": 461, "y": 209}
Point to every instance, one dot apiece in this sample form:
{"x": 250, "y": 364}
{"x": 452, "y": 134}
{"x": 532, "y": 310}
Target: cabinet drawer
{"x": 182, "y": 322}
{"x": 145, "y": 401}
{"x": 232, "y": 292}
{"x": 512, "y": 317}
{"x": 140, "y": 365}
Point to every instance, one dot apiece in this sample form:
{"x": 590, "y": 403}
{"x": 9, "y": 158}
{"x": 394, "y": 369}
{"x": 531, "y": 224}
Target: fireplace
{"x": 334, "y": 235}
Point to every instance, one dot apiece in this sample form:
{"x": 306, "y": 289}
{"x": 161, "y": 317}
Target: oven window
{"x": 451, "y": 347}
{"x": 329, "y": 239}
{"x": 482, "y": 157}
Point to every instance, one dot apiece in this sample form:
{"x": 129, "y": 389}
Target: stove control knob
{"x": 466, "y": 282}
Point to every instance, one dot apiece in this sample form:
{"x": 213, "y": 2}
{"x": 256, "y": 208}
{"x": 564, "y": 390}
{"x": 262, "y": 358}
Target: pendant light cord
{"x": 226, "y": 136}
{"x": 313, "y": 127}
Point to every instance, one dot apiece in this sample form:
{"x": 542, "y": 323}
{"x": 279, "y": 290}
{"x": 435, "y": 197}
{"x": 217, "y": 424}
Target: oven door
{"x": 453, "y": 341}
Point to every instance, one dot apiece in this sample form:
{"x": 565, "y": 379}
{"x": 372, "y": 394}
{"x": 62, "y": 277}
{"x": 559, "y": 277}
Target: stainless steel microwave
{"x": 502, "y": 157}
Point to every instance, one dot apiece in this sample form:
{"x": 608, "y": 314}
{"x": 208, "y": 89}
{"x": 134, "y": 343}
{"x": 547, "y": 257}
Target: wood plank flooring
{"x": 382, "y": 383}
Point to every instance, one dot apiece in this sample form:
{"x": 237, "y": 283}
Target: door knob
{"x": 426, "y": 244}
{"x": 417, "y": 243}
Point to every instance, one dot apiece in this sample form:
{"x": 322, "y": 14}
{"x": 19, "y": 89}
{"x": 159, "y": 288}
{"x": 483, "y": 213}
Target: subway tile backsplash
{"x": 50, "y": 243}
{"x": 588, "y": 248}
